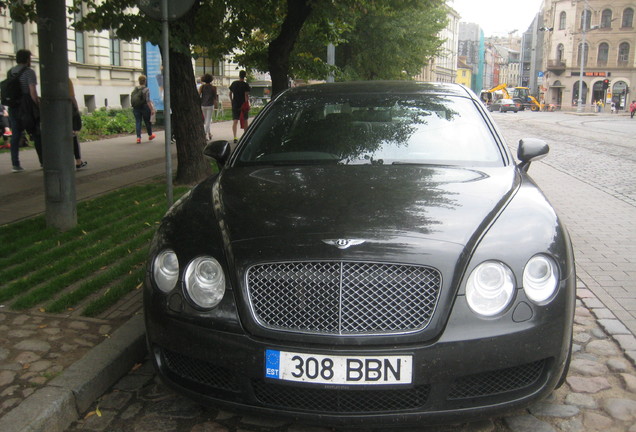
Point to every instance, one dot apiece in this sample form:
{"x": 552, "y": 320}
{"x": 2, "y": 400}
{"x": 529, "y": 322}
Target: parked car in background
{"x": 504, "y": 105}
{"x": 370, "y": 253}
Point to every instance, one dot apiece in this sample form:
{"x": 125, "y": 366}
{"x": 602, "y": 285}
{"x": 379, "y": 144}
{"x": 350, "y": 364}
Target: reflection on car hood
{"x": 447, "y": 204}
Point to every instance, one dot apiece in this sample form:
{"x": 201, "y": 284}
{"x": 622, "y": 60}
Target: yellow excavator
{"x": 518, "y": 94}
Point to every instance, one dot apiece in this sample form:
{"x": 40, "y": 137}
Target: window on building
{"x": 603, "y": 54}
{"x": 559, "y": 53}
{"x": 115, "y": 49}
{"x": 586, "y": 19}
{"x": 583, "y": 51}
{"x": 562, "y": 17}
{"x": 623, "y": 54}
{"x": 80, "y": 47}
{"x": 17, "y": 36}
{"x": 628, "y": 18}
{"x": 606, "y": 18}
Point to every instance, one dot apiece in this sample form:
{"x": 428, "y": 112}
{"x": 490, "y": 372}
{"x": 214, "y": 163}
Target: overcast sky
{"x": 498, "y": 17}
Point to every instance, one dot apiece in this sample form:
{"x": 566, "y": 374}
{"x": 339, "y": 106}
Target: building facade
{"x": 592, "y": 38}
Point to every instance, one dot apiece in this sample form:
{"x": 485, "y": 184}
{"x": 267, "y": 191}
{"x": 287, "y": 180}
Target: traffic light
{"x": 606, "y": 84}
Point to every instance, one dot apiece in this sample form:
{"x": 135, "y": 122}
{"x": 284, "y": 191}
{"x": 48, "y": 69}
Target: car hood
{"x": 445, "y": 204}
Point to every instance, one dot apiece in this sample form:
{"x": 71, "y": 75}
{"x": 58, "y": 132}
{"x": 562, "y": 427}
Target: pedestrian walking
{"x": 143, "y": 108}
{"x": 208, "y": 102}
{"x": 613, "y": 108}
{"x": 240, "y": 97}
{"x": 24, "y": 116}
{"x": 77, "y": 126}
{"x": 632, "y": 109}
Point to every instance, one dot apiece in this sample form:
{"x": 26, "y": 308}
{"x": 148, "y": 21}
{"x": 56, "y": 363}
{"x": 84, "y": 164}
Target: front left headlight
{"x": 490, "y": 288}
{"x": 205, "y": 282}
{"x": 540, "y": 278}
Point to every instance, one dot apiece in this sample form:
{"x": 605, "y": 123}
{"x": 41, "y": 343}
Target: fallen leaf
{"x": 70, "y": 309}
{"x": 98, "y": 412}
{"x": 26, "y": 365}
{"x": 43, "y": 326}
{"x": 42, "y": 309}
{"x": 90, "y": 414}
{"x": 146, "y": 223}
{"x": 141, "y": 284}
{"x": 84, "y": 232}
{"x": 136, "y": 366}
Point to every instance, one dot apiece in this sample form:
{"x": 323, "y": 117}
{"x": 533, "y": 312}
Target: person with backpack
{"x": 142, "y": 108}
{"x": 23, "y": 112}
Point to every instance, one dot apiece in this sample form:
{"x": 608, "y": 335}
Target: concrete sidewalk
{"x": 54, "y": 405}
{"x": 112, "y": 164}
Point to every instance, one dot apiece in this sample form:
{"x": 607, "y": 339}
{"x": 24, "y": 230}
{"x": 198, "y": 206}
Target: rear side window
{"x": 366, "y": 129}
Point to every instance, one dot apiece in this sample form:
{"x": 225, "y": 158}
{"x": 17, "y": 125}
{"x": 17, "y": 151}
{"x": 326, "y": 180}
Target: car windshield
{"x": 371, "y": 129}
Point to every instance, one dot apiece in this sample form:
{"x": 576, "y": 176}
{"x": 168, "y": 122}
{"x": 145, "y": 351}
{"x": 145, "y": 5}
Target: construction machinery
{"x": 518, "y": 94}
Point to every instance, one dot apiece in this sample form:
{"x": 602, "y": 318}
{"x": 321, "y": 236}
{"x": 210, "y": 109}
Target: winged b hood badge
{"x": 343, "y": 243}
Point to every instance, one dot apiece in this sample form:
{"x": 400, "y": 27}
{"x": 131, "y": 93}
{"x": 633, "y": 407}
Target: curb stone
{"x": 54, "y": 407}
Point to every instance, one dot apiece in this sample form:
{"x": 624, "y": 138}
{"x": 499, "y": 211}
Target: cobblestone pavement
{"x": 591, "y": 181}
{"x": 35, "y": 348}
{"x": 600, "y": 395}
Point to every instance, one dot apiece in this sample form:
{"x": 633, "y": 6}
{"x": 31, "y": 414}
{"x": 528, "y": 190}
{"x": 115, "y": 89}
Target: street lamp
{"x": 586, "y": 13}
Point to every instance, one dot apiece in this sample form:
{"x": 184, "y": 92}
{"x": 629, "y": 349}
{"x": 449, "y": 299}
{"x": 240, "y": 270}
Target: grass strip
{"x": 115, "y": 293}
{"x": 45, "y": 292}
{"x": 98, "y": 282}
{"x": 48, "y": 266}
{"x": 28, "y": 240}
{"x": 54, "y": 248}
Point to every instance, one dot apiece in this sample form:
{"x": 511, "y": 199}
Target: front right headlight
{"x": 165, "y": 270}
{"x": 540, "y": 278}
{"x": 205, "y": 281}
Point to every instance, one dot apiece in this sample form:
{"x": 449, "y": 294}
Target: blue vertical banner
{"x": 154, "y": 73}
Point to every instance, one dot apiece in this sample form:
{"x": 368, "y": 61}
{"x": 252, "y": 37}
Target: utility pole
{"x": 55, "y": 116}
{"x": 579, "y": 102}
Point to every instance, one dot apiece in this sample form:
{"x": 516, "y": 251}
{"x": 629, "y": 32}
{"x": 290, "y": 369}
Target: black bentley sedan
{"x": 369, "y": 253}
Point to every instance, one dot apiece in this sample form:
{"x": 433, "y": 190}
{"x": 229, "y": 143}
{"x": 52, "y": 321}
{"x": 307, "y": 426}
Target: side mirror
{"x": 530, "y": 150}
{"x": 218, "y": 150}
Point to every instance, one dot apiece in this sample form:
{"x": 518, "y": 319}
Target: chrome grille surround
{"x": 342, "y": 298}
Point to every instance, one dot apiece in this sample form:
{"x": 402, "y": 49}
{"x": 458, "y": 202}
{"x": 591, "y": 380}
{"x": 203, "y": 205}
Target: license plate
{"x": 333, "y": 369}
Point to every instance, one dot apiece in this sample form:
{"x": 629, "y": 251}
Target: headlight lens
{"x": 205, "y": 281}
{"x": 490, "y": 288}
{"x": 540, "y": 278}
{"x": 165, "y": 270}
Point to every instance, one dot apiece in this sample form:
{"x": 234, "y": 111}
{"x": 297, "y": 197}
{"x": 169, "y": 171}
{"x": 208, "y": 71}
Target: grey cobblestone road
{"x": 590, "y": 178}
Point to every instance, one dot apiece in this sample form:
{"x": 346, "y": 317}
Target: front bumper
{"x": 476, "y": 368}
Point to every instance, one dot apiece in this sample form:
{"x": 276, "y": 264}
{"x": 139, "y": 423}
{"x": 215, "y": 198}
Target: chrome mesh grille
{"x": 346, "y": 298}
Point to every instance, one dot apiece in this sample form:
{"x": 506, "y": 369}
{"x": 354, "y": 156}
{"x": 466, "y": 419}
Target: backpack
{"x": 137, "y": 98}
{"x": 11, "y": 90}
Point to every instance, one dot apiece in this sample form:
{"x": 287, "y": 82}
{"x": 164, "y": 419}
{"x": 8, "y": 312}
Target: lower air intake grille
{"x": 340, "y": 401}
{"x": 497, "y": 382}
{"x": 200, "y": 371}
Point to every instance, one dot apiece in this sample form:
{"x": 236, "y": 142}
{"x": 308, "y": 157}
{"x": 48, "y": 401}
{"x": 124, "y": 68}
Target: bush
{"x": 105, "y": 122}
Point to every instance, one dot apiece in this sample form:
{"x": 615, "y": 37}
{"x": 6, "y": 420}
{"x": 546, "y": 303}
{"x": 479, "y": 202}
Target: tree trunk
{"x": 280, "y": 48}
{"x": 187, "y": 121}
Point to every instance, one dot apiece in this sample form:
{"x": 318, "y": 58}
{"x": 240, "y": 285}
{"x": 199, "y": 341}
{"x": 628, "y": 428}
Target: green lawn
{"x": 88, "y": 268}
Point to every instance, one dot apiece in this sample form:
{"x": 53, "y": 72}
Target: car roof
{"x": 384, "y": 87}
